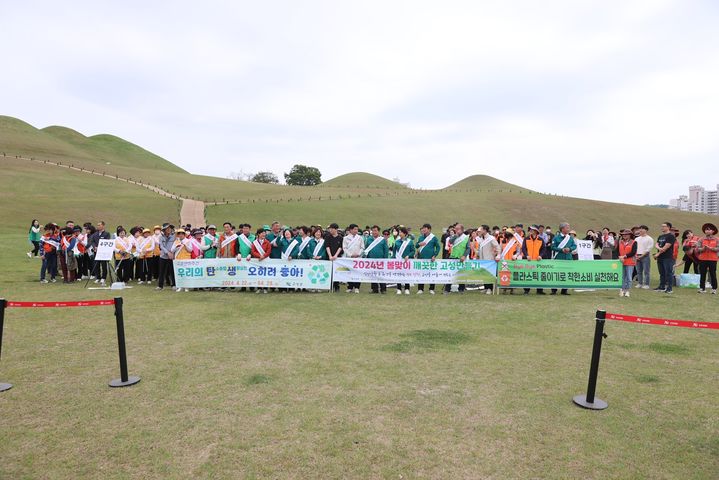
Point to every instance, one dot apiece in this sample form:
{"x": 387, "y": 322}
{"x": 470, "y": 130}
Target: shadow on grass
{"x": 428, "y": 340}
{"x": 669, "y": 348}
{"x": 647, "y": 379}
{"x": 257, "y": 379}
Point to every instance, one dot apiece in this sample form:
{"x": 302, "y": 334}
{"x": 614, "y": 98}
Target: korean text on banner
{"x": 371, "y": 270}
{"x": 269, "y": 273}
{"x": 560, "y": 274}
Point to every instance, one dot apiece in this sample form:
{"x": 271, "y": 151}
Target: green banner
{"x": 560, "y": 274}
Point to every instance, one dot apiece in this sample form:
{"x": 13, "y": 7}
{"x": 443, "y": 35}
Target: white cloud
{"x": 585, "y": 90}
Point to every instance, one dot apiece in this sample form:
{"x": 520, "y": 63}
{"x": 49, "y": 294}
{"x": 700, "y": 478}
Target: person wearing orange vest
{"x": 533, "y": 249}
{"x": 628, "y": 256}
{"x": 707, "y": 249}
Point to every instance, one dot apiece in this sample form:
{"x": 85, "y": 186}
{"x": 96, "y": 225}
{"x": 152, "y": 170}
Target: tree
{"x": 303, "y": 175}
{"x": 265, "y": 177}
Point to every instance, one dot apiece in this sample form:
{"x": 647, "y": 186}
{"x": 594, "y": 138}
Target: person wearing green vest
{"x": 210, "y": 241}
{"x": 274, "y": 236}
{"x": 459, "y": 250}
{"x": 33, "y": 236}
{"x": 244, "y": 242}
{"x": 316, "y": 247}
{"x": 303, "y": 249}
{"x": 562, "y": 247}
{"x": 376, "y": 247}
{"x": 428, "y": 247}
{"x": 403, "y": 250}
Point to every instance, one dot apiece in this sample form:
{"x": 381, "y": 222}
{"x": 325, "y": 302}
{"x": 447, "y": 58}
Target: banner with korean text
{"x": 560, "y": 274}
{"x": 371, "y": 270}
{"x": 268, "y": 273}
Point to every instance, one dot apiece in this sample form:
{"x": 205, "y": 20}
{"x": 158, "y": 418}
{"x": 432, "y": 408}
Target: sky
{"x": 609, "y": 100}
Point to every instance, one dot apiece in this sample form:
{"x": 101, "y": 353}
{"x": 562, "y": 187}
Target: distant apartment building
{"x": 698, "y": 200}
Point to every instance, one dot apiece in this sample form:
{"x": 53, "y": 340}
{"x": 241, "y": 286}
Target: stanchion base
{"x": 5, "y": 386}
{"x": 598, "y": 404}
{"x": 119, "y": 383}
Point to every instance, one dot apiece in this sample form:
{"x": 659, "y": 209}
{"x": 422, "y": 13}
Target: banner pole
{"x": 589, "y": 401}
{"x": 124, "y": 380}
{"x": 3, "y": 304}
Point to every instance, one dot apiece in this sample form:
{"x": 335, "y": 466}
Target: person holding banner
{"x": 303, "y": 249}
{"x": 403, "y": 250}
{"x": 288, "y": 245}
{"x": 707, "y": 249}
{"x": 227, "y": 242}
{"x": 428, "y": 247}
{"x": 274, "y": 236}
{"x": 123, "y": 255}
{"x": 562, "y": 247}
{"x": 376, "y": 247}
{"x": 533, "y": 249}
{"x": 316, "y": 247}
{"x": 146, "y": 250}
{"x": 210, "y": 242}
{"x": 353, "y": 247}
{"x": 458, "y": 250}
{"x": 628, "y": 256}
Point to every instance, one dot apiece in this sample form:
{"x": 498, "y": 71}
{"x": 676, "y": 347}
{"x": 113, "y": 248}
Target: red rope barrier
{"x": 86, "y": 303}
{"x": 662, "y": 321}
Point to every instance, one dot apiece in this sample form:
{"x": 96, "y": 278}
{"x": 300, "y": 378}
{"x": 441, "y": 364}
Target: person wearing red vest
{"x": 707, "y": 249}
{"x": 628, "y": 256}
{"x": 533, "y": 249}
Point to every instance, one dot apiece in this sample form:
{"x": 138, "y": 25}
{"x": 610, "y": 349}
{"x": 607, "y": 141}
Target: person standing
{"x": 562, "y": 247}
{"x": 376, "y": 247}
{"x": 303, "y": 250}
{"x": 488, "y": 249}
{"x": 50, "y": 245}
{"x": 689, "y": 243}
{"x": 99, "y": 268}
{"x": 227, "y": 242}
{"x": 244, "y": 242}
{"x": 403, "y": 250}
{"x": 123, "y": 255}
{"x": 627, "y": 254}
{"x": 33, "y": 236}
{"x": 274, "y": 236}
{"x": 353, "y": 246}
{"x": 665, "y": 258}
{"x": 333, "y": 246}
{"x": 210, "y": 242}
{"x": 707, "y": 249}
{"x": 165, "y": 270}
{"x": 428, "y": 247}
{"x": 645, "y": 243}
{"x": 458, "y": 250}
{"x": 533, "y": 249}
{"x": 146, "y": 249}
{"x": 316, "y": 247}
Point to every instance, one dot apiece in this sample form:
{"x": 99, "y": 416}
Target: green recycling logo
{"x": 318, "y": 275}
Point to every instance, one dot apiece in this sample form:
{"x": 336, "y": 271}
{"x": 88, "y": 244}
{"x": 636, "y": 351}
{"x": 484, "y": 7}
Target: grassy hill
{"x": 357, "y": 197}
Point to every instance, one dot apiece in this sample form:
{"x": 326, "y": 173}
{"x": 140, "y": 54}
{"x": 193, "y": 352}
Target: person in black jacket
{"x": 99, "y": 267}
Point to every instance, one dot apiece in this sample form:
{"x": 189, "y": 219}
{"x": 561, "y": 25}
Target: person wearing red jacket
{"x": 628, "y": 256}
{"x": 261, "y": 247}
{"x": 707, "y": 249}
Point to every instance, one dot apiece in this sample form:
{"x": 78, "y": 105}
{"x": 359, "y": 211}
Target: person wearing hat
{"x": 146, "y": 251}
{"x": 165, "y": 270}
{"x": 707, "y": 249}
{"x": 196, "y": 242}
{"x": 210, "y": 242}
{"x": 533, "y": 249}
{"x": 562, "y": 247}
{"x": 627, "y": 249}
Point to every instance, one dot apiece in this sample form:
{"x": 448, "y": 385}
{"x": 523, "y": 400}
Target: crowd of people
{"x": 146, "y": 255}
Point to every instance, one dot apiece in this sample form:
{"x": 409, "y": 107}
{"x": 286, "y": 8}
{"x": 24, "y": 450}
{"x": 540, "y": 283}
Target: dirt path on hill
{"x": 192, "y": 212}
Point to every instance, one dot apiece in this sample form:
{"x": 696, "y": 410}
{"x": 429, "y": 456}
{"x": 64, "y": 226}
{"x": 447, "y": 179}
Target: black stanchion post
{"x": 589, "y": 400}
{"x": 124, "y": 380}
{"x": 3, "y": 304}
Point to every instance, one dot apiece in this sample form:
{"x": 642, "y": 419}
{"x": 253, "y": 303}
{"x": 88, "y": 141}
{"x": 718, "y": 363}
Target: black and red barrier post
{"x": 589, "y": 400}
{"x": 3, "y": 304}
{"x": 124, "y": 380}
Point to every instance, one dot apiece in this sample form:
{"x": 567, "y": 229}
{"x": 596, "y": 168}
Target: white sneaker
{"x": 356, "y": 290}
{"x": 431, "y": 292}
{"x": 419, "y": 292}
{"x": 626, "y": 294}
{"x": 399, "y": 292}
{"x": 714, "y": 292}
{"x": 187, "y": 289}
{"x": 29, "y": 255}
{"x": 265, "y": 291}
{"x": 97, "y": 281}
{"x": 638, "y": 285}
{"x": 140, "y": 282}
{"x": 488, "y": 292}
{"x": 621, "y": 293}
{"x": 406, "y": 292}
{"x": 645, "y": 287}
{"x": 102, "y": 282}
{"x": 43, "y": 281}
{"x": 92, "y": 277}
{"x": 178, "y": 289}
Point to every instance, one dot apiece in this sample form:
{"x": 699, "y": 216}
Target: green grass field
{"x": 351, "y": 386}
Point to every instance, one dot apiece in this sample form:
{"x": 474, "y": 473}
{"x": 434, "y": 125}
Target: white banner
{"x": 268, "y": 273}
{"x": 585, "y": 249}
{"x": 371, "y": 270}
{"x": 105, "y": 249}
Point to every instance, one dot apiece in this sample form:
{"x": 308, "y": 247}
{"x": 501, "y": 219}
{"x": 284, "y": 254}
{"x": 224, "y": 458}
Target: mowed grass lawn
{"x": 352, "y": 386}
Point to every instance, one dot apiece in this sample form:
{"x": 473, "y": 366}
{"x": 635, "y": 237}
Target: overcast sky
{"x": 614, "y": 100}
